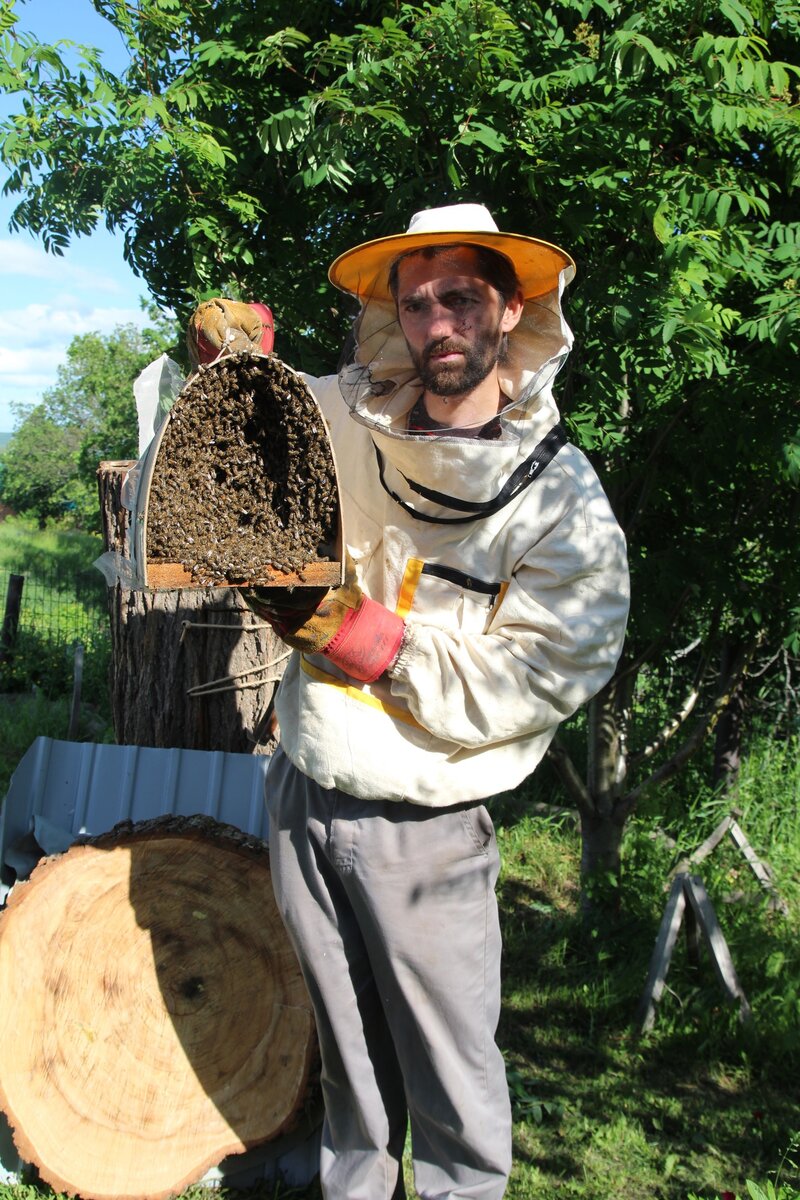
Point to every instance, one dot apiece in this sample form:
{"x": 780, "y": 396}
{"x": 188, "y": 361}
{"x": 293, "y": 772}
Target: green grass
{"x": 24, "y": 548}
{"x": 52, "y": 618}
{"x": 700, "y": 1104}
{"x": 26, "y": 716}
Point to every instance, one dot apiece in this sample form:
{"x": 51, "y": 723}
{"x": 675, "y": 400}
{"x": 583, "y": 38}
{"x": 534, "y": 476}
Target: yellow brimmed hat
{"x": 364, "y": 270}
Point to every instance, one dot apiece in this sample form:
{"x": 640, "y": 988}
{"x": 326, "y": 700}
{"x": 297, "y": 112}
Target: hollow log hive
{"x": 244, "y": 486}
{"x": 154, "y": 1018}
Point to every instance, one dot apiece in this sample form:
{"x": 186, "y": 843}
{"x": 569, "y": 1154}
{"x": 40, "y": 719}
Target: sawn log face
{"x": 154, "y": 1017}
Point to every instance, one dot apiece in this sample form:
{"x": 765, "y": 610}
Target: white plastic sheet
{"x": 156, "y": 389}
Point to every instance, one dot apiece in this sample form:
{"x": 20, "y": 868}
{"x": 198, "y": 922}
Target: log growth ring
{"x": 154, "y": 1018}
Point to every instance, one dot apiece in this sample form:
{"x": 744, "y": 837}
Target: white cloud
{"x": 46, "y": 300}
{"x": 49, "y": 328}
{"x": 29, "y": 366}
{"x": 26, "y": 260}
{"x": 19, "y": 258}
{"x": 34, "y": 341}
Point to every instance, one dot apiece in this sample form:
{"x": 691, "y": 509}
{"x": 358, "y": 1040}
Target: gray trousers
{"x": 392, "y": 912}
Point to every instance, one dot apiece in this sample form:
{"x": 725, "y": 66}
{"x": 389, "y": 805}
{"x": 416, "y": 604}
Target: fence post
{"x": 77, "y": 682}
{"x": 11, "y": 619}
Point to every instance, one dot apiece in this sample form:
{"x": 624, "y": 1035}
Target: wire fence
{"x": 45, "y": 613}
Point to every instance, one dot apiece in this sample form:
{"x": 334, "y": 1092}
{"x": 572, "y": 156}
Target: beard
{"x": 454, "y": 379}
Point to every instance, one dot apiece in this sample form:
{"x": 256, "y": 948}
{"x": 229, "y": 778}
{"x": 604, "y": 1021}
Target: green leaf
{"x": 723, "y": 208}
{"x": 669, "y": 329}
{"x": 284, "y": 130}
{"x": 779, "y": 77}
{"x": 621, "y": 318}
{"x": 662, "y": 222}
{"x": 737, "y": 13}
{"x": 211, "y": 53}
{"x": 758, "y": 1193}
{"x": 629, "y": 42}
{"x": 484, "y": 134}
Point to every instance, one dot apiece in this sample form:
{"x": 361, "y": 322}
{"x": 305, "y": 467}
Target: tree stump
{"x": 154, "y": 1018}
{"x": 167, "y": 646}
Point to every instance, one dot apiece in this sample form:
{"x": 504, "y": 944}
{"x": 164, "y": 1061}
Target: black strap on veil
{"x": 478, "y": 510}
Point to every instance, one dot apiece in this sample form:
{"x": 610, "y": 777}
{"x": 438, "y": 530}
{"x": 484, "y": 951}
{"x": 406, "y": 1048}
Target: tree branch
{"x": 565, "y": 769}
{"x": 671, "y": 727}
{"x": 668, "y": 731}
{"x": 701, "y": 729}
{"x": 663, "y": 434}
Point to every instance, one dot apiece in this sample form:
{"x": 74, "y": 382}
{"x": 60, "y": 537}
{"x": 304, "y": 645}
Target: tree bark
{"x": 154, "y": 1015}
{"x": 166, "y": 644}
{"x": 730, "y": 727}
{"x": 601, "y": 863}
{"x": 603, "y": 811}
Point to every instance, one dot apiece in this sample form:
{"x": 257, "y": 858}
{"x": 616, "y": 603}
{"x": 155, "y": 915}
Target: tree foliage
{"x": 660, "y": 143}
{"x": 38, "y": 466}
{"x": 49, "y": 467}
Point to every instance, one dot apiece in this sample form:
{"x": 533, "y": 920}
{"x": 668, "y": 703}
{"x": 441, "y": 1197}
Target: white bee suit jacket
{"x": 514, "y": 619}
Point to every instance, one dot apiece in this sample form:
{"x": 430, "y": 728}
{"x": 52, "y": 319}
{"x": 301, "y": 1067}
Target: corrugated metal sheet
{"x": 85, "y": 788}
{"x": 62, "y": 790}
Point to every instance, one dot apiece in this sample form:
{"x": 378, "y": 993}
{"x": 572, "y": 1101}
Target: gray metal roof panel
{"x": 87, "y": 788}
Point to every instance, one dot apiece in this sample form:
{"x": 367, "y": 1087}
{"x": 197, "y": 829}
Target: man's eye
{"x": 412, "y": 306}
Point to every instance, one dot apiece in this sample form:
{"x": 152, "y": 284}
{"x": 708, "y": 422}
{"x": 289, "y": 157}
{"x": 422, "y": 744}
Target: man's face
{"x": 452, "y": 319}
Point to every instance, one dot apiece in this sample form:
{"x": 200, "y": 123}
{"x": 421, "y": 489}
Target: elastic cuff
{"x": 401, "y": 654}
{"x": 399, "y": 665}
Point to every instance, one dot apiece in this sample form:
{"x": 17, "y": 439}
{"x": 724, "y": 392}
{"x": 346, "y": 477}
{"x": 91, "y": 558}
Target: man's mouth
{"x": 445, "y": 354}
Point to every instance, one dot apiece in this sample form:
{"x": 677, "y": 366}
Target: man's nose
{"x": 441, "y": 322}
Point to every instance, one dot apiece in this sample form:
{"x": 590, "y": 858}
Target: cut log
{"x": 154, "y": 1018}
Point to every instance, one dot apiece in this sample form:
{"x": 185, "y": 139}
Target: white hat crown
{"x": 453, "y": 218}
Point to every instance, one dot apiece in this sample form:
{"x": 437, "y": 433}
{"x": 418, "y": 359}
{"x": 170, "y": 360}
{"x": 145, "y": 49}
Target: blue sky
{"x": 46, "y": 300}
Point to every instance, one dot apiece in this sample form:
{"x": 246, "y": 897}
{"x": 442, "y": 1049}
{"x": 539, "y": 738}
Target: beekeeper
{"x": 485, "y": 600}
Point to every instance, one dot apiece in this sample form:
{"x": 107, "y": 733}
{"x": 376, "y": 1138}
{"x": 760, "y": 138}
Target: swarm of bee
{"x": 244, "y": 483}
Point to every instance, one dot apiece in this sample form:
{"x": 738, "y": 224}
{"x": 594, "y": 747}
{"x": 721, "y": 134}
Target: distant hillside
{"x": 4, "y": 437}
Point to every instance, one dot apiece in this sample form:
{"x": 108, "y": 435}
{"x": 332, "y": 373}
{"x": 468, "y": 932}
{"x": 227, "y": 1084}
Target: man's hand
{"x": 225, "y": 326}
{"x": 357, "y": 634}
